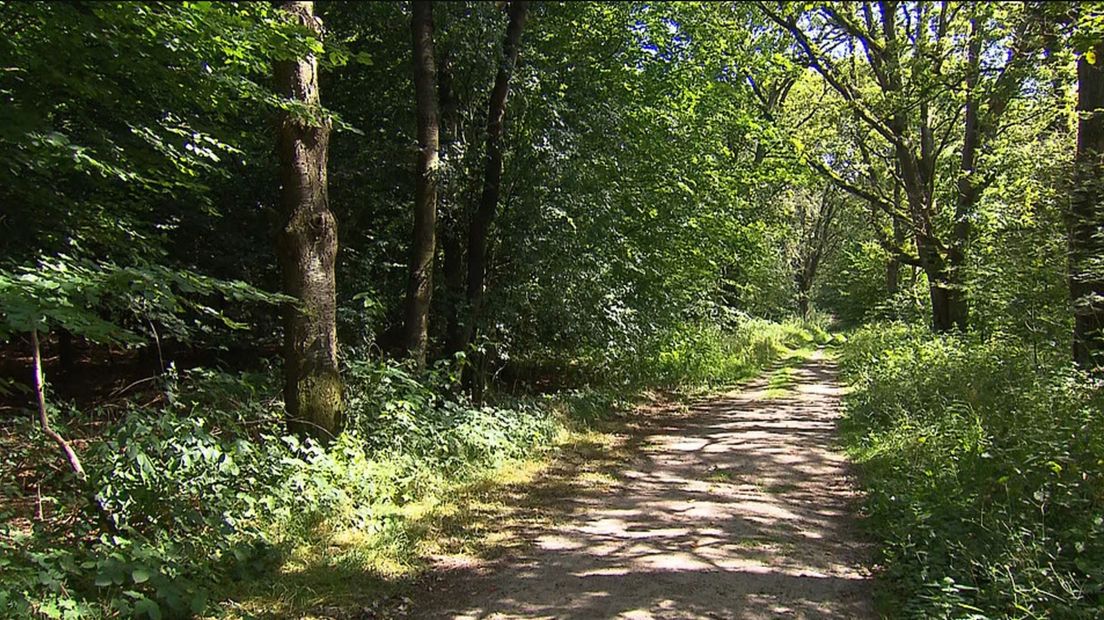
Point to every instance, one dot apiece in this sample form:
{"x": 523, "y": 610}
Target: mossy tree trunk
{"x": 307, "y": 248}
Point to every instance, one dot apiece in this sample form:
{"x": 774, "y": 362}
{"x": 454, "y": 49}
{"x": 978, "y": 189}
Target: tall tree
{"x": 817, "y": 237}
{"x": 914, "y": 58}
{"x": 453, "y": 250}
{"x": 1086, "y": 235}
{"x": 307, "y": 244}
{"x": 480, "y": 224}
{"x": 424, "y": 241}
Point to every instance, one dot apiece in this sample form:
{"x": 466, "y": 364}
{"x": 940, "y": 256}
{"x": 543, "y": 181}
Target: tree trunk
{"x": 307, "y": 249}
{"x": 940, "y": 288}
{"x": 802, "y": 298}
{"x": 1086, "y": 224}
{"x": 452, "y": 223}
{"x": 454, "y": 286}
{"x": 423, "y": 247}
{"x": 968, "y": 191}
{"x": 480, "y": 225}
{"x": 893, "y": 267}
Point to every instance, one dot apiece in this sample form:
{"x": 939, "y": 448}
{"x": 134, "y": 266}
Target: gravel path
{"x": 739, "y": 506}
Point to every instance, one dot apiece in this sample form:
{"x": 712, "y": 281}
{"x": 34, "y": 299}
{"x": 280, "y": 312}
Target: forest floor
{"x": 739, "y": 505}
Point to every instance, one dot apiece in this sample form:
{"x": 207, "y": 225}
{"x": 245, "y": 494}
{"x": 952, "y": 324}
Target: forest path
{"x": 738, "y": 506}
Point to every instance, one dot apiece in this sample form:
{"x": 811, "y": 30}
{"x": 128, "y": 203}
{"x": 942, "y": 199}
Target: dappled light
{"x": 738, "y": 506}
{"x": 348, "y": 310}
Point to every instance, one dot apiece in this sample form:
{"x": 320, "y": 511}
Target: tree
{"x": 1086, "y": 228}
{"x": 423, "y": 246}
{"x": 817, "y": 237}
{"x": 307, "y": 244}
{"x": 480, "y": 225}
{"x": 917, "y": 55}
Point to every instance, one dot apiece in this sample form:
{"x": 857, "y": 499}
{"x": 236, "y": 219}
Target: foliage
{"x": 976, "y": 516}
{"x": 210, "y": 489}
{"x": 77, "y": 295}
{"x": 708, "y": 354}
{"x": 657, "y": 228}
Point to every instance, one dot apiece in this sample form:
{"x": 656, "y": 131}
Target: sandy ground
{"x": 738, "y": 507}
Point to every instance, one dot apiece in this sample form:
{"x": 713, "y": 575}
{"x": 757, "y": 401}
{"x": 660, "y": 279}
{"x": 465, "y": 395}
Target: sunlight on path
{"x": 739, "y": 507}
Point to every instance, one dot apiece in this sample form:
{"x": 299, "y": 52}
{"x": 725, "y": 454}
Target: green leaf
{"x": 148, "y": 607}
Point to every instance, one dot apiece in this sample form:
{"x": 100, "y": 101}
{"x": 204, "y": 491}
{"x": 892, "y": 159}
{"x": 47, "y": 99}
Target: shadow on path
{"x": 737, "y": 507}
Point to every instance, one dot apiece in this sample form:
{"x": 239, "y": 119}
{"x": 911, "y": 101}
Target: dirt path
{"x": 737, "y": 507}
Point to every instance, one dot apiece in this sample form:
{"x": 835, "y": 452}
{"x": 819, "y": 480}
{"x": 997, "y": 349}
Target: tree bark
{"x": 968, "y": 189}
{"x": 452, "y": 224}
{"x": 454, "y": 286}
{"x": 480, "y": 225}
{"x": 307, "y": 248}
{"x": 1086, "y": 222}
{"x": 423, "y": 247}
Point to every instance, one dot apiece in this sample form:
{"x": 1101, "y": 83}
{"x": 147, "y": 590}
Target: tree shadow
{"x": 734, "y": 507}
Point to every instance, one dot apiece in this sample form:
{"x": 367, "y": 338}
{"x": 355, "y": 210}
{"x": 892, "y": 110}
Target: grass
{"x": 460, "y": 524}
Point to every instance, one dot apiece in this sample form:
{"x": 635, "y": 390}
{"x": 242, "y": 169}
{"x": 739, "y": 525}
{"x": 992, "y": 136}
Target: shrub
{"x": 984, "y": 474}
{"x": 209, "y": 489}
{"x": 705, "y": 354}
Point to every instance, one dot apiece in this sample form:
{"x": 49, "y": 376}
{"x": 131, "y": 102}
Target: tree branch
{"x": 43, "y": 417}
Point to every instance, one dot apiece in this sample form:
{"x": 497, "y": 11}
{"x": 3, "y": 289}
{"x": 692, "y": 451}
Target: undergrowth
{"x": 984, "y": 475}
{"x": 708, "y": 354}
{"x": 204, "y": 504}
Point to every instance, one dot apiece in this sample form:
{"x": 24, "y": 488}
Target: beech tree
{"x": 424, "y": 242}
{"x": 480, "y": 225}
{"x": 307, "y": 245}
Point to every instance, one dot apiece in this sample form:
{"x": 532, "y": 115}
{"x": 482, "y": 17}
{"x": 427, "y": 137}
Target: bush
{"x": 708, "y": 354}
{"x": 984, "y": 474}
{"x": 209, "y": 489}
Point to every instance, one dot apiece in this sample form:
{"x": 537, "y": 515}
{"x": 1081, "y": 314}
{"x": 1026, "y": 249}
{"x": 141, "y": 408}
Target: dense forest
{"x": 282, "y": 283}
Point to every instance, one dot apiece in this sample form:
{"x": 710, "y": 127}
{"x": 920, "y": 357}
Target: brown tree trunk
{"x": 941, "y": 302}
{"x": 1086, "y": 225}
{"x": 480, "y": 225}
{"x": 968, "y": 190}
{"x": 423, "y": 247}
{"x": 802, "y": 297}
{"x": 940, "y": 289}
{"x": 307, "y": 249}
{"x": 454, "y": 286}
